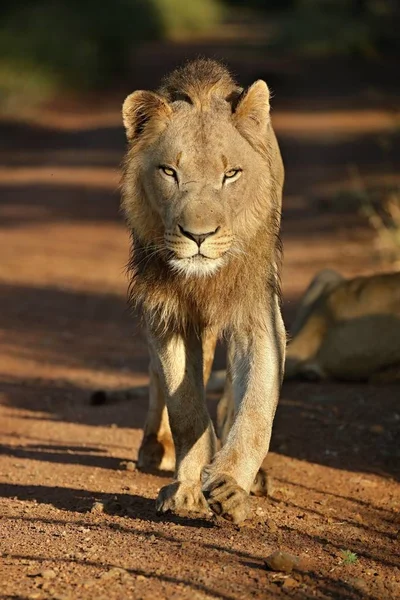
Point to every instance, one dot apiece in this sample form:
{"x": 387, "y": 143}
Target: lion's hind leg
{"x": 157, "y": 449}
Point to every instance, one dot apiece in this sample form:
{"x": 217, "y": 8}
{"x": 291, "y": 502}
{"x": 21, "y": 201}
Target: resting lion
{"x": 201, "y": 189}
{"x": 347, "y": 329}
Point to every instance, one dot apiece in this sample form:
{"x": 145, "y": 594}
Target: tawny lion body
{"x": 202, "y": 188}
{"x": 347, "y": 329}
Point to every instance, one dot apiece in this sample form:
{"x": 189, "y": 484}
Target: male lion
{"x": 347, "y": 329}
{"x": 201, "y": 191}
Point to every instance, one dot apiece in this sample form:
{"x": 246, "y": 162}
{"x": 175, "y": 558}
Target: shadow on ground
{"x": 335, "y": 424}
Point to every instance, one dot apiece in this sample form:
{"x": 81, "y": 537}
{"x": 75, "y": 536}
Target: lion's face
{"x": 200, "y": 180}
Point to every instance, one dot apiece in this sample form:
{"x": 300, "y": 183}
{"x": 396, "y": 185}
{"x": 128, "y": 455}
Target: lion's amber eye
{"x": 232, "y": 174}
{"x": 168, "y": 171}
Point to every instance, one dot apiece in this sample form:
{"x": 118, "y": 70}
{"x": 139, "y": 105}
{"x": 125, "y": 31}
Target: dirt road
{"x": 77, "y": 521}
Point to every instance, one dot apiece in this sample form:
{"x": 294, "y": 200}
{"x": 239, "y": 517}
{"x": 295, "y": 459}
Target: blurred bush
{"x": 265, "y": 5}
{"x": 179, "y": 17}
{"x": 360, "y": 27}
{"x": 46, "y": 45}
{"x": 49, "y": 45}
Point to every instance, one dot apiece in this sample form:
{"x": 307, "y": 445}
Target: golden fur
{"x": 347, "y": 329}
{"x": 201, "y": 191}
{"x": 344, "y": 329}
{"x": 210, "y": 300}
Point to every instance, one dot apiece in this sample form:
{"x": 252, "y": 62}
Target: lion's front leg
{"x": 179, "y": 362}
{"x": 157, "y": 450}
{"x": 257, "y": 366}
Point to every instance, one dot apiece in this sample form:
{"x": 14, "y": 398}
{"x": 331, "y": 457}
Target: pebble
{"x": 290, "y": 584}
{"x": 281, "y": 561}
{"x": 45, "y": 574}
{"x": 98, "y": 507}
{"x": 114, "y": 572}
{"x": 128, "y": 465}
{"x": 272, "y": 526}
{"x": 48, "y": 574}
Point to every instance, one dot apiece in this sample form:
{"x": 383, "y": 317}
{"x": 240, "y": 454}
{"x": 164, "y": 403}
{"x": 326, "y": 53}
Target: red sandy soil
{"x": 74, "y": 522}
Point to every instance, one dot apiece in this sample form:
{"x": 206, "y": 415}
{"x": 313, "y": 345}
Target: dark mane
{"x": 198, "y": 81}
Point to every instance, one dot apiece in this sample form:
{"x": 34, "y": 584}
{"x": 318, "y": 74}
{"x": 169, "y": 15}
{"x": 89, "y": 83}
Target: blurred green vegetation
{"x": 47, "y": 45}
{"x": 367, "y": 28}
{"x": 51, "y": 45}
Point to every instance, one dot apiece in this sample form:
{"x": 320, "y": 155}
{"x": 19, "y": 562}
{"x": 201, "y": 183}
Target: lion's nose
{"x": 197, "y": 237}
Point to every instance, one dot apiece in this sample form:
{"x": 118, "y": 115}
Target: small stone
{"x": 48, "y": 574}
{"x": 98, "y": 507}
{"x": 128, "y": 465}
{"x": 272, "y": 526}
{"x": 281, "y": 561}
{"x": 290, "y": 583}
{"x": 113, "y": 572}
{"x": 140, "y": 578}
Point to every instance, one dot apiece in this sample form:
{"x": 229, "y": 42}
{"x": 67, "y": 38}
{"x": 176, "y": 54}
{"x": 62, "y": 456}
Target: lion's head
{"x": 196, "y": 181}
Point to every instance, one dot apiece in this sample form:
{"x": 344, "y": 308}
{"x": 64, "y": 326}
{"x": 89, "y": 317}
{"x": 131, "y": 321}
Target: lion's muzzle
{"x": 199, "y": 238}
{"x": 197, "y": 252}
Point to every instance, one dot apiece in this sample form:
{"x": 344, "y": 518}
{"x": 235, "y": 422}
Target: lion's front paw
{"x": 227, "y": 499}
{"x": 181, "y": 495}
{"x": 156, "y": 453}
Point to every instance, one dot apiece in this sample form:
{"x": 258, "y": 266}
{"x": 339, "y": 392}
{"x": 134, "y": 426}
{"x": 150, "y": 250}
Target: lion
{"x": 344, "y": 329}
{"x": 347, "y": 329}
{"x": 201, "y": 192}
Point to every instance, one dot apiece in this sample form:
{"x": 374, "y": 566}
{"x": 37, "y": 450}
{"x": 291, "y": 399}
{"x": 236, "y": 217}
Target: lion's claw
{"x": 227, "y": 499}
{"x": 181, "y": 495}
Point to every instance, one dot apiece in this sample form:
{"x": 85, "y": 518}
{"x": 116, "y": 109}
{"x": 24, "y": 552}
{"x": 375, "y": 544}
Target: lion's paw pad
{"x": 227, "y": 499}
{"x": 181, "y": 495}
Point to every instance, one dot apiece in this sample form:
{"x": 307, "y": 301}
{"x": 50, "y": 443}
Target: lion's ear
{"x": 145, "y": 113}
{"x": 251, "y": 109}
